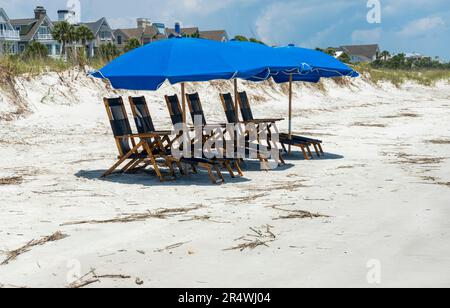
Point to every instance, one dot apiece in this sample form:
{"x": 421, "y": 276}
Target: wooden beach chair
{"x": 176, "y": 114}
{"x": 297, "y": 141}
{"x": 196, "y": 110}
{"x": 144, "y": 124}
{"x": 231, "y": 115}
{"x": 146, "y": 151}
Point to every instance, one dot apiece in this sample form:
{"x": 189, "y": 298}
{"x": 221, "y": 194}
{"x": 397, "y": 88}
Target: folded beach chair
{"x": 196, "y": 110}
{"x": 144, "y": 124}
{"x": 146, "y": 151}
{"x": 298, "y": 141}
{"x": 230, "y": 112}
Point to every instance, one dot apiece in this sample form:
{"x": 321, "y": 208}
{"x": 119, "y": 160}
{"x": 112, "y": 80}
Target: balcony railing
{"x": 9, "y": 34}
{"x": 44, "y": 37}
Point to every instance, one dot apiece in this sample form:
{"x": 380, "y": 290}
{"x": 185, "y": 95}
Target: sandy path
{"x": 385, "y": 183}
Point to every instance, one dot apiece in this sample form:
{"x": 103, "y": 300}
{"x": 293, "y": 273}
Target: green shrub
{"x": 35, "y": 50}
{"x": 108, "y": 52}
{"x": 133, "y": 43}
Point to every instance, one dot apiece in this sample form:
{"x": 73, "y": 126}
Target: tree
{"x": 385, "y": 55}
{"x": 64, "y": 33}
{"x": 133, "y": 43}
{"x": 84, "y": 34}
{"x": 253, "y": 40}
{"x": 35, "y": 50}
{"x": 344, "y": 57}
{"x": 108, "y": 51}
{"x": 240, "y": 38}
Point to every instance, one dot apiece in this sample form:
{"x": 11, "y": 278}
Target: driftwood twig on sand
{"x": 13, "y": 254}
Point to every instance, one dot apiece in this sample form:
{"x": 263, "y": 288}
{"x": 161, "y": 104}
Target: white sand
{"x": 385, "y": 186}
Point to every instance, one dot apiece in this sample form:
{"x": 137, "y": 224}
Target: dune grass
{"x": 398, "y": 77}
{"x": 15, "y": 66}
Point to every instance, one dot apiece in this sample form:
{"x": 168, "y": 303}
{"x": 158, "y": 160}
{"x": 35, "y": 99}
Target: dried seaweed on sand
{"x": 12, "y": 255}
{"x": 14, "y": 180}
{"x": 297, "y": 214}
{"x": 261, "y": 236}
{"x": 158, "y": 214}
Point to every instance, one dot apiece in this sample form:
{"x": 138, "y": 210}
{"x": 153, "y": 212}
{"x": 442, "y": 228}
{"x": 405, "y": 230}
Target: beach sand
{"x": 382, "y": 193}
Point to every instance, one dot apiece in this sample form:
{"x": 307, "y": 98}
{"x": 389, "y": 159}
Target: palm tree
{"x": 85, "y": 35}
{"x": 385, "y": 55}
{"x": 64, "y": 33}
{"x": 133, "y": 43}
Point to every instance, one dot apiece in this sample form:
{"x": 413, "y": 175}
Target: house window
{"x": 119, "y": 40}
{"x": 2, "y": 27}
{"x": 43, "y": 30}
{"x": 18, "y": 28}
{"x": 105, "y": 35}
{"x": 22, "y": 48}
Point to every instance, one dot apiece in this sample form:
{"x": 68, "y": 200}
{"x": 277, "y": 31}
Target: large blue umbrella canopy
{"x": 272, "y": 59}
{"x": 322, "y": 65}
{"x": 181, "y": 60}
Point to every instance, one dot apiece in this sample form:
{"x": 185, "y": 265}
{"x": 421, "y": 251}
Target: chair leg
{"x": 210, "y": 173}
{"x": 132, "y": 165}
{"x": 320, "y": 148}
{"x": 154, "y": 163}
{"x": 238, "y": 168}
{"x": 228, "y": 167}
{"x": 219, "y": 173}
{"x": 120, "y": 161}
{"x": 128, "y": 166}
{"x": 316, "y": 149}
{"x": 309, "y": 152}
{"x": 305, "y": 156}
{"x": 180, "y": 167}
{"x": 169, "y": 163}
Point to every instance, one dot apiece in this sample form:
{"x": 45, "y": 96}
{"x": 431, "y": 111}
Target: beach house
{"x": 145, "y": 32}
{"x": 361, "y": 53}
{"x": 9, "y": 37}
{"x": 103, "y": 33}
{"x": 38, "y": 28}
{"x": 215, "y": 35}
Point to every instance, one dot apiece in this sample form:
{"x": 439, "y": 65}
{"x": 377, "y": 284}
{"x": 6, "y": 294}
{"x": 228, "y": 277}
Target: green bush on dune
{"x": 427, "y": 77}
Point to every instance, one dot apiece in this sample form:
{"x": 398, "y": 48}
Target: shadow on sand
{"x": 295, "y": 156}
{"x": 149, "y": 178}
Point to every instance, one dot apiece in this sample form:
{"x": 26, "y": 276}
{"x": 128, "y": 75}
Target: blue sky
{"x": 406, "y": 25}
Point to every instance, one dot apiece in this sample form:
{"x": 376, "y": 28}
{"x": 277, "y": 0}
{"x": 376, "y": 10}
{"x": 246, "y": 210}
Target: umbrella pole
{"x": 183, "y": 100}
{"x": 236, "y": 104}
{"x": 290, "y": 112}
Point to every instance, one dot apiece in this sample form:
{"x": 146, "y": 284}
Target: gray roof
{"x": 368, "y": 51}
{"x": 94, "y": 26}
{"x": 214, "y": 35}
{"x": 29, "y": 26}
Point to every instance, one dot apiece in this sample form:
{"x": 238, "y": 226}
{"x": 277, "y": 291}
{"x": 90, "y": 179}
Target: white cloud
{"x": 423, "y": 27}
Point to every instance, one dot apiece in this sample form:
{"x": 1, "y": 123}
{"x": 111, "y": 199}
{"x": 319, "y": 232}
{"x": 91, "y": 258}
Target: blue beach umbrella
{"x": 180, "y": 60}
{"x": 322, "y": 66}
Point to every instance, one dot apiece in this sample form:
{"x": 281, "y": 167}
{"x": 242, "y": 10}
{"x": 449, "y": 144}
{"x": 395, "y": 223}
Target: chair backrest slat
{"x": 195, "y": 107}
{"x": 142, "y": 117}
{"x": 120, "y": 124}
{"x": 246, "y": 110}
{"x": 176, "y": 113}
{"x": 228, "y": 106}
